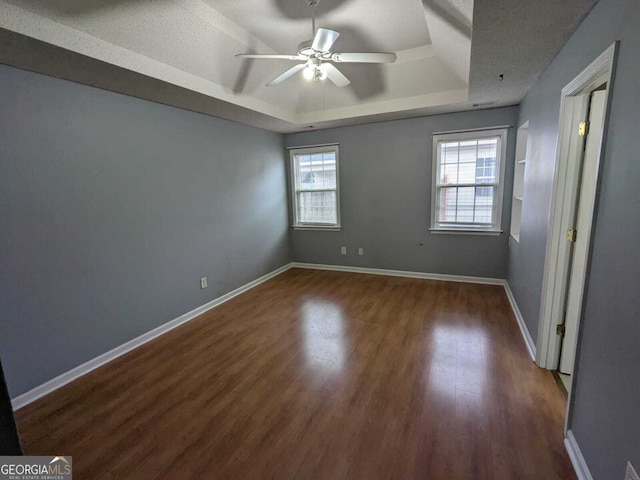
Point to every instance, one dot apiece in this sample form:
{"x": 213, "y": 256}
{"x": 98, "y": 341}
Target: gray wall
{"x": 385, "y": 199}
{"x": 112, "y": 208}
{"x": 606, "y": 414}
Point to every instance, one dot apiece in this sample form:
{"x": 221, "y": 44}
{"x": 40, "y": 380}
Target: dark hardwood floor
{"x": 318, "y": 374}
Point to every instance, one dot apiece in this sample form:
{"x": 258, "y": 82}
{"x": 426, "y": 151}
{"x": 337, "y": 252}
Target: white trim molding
{"x": 77, "y": 372}
{"x": 577, "y": 460}
{"x": 294, "y": 166}
{"x": 399, "y": 273}
{"x": 574, "y": 103}
{"x": 528, "y": 341}
{"x": 442, "y": 231}
{"x": 495, "y": 228}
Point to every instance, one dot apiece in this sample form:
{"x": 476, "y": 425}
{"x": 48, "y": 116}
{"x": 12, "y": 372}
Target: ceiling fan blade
{"x": 287, "y": 74}
{"x": 280, "y": 57}
{"x": 335, "y": 75}
{"x": 324, "y": 39}
{"x": 364, "y": 57}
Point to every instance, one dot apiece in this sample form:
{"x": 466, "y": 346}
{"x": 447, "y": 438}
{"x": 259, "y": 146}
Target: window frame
{"x": 293, "y": 164}
{"x": 496, "y": 212}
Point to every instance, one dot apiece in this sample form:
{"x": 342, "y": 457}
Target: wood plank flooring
{"x": 318, "y": 374}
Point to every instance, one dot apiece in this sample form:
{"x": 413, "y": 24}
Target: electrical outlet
{"x": 361, "y": 251}
{"x": 631, "y": 473}
{"x": 343, "y": 250}
{"x": 203, "y": 282}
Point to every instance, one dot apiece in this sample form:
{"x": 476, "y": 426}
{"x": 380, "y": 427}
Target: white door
{"x": 584, "y": 216}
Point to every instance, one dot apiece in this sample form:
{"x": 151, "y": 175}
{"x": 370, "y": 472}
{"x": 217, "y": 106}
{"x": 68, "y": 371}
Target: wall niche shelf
{"x": 522, "y": 140}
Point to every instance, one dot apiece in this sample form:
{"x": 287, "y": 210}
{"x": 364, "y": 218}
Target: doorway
{"x": 581, "y": 140}
{"x": 591, "y": 134}
{"x": 578, "y": 237}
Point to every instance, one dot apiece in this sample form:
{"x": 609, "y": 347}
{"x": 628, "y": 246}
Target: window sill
{"x": 460, "y": 231}
{"x": 330, "y": 228}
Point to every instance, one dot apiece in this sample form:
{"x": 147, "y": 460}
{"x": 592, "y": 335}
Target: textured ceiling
{"x": 518, "y": 39}
{"x": 181, "y": 52}
{"x": 363, "y": 24}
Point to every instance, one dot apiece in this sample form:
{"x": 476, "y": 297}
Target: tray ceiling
{"x": 181, "y": 52}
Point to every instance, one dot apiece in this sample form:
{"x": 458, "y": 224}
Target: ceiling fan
{"x": 318, "y": 57}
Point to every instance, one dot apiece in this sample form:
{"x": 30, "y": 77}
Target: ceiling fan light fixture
{"x": 322, "y": 73}
{"x": 309, "y": 72}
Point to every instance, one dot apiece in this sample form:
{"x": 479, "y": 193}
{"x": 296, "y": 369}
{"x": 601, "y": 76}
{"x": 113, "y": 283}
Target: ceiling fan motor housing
{"x": 305, "y": 48}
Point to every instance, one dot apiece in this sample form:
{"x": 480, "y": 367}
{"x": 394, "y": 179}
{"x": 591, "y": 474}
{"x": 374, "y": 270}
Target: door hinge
{"x": 583, "y": 129}
{"x": 560, "y": 330}
{"x": 571, "y": 235}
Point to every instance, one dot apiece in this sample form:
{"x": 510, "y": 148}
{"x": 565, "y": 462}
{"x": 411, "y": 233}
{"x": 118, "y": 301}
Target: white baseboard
{"x": 400, "y": 273}
{"x": 57, "y": 382}
{"x": 531, "y": 346}
{"x": 578, "y": 461}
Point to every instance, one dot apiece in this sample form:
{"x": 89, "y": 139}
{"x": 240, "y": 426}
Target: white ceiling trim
{"x": 395, "y": 105}
{"x": 452, "y": 46}
{"x": 415, "y": 54}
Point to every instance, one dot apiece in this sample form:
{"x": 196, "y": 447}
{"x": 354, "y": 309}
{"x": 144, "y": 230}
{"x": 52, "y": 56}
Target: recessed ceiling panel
{"x": 441, "y": 45}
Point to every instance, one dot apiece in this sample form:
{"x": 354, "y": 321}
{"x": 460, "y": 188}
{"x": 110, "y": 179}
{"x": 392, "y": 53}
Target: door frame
{"x": 574, "y": 104}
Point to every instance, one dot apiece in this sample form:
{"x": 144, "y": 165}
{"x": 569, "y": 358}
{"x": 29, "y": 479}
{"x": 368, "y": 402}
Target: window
{"x": 316, "y": 202}
{"x": 468, "y": 171}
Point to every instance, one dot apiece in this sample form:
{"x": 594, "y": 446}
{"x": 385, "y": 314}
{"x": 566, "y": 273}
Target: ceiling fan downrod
{"x": 313, "y": 4}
